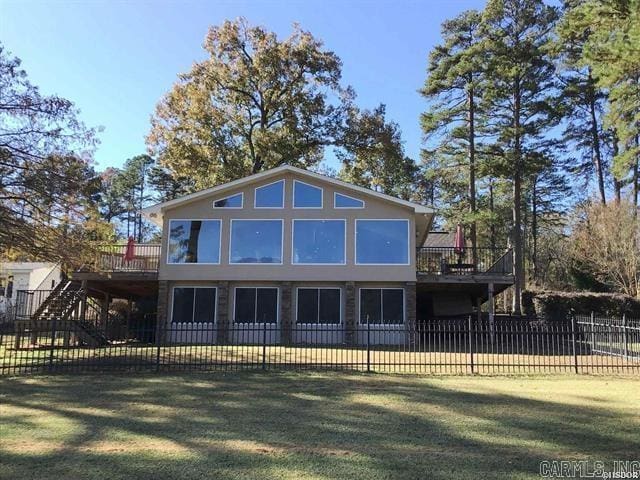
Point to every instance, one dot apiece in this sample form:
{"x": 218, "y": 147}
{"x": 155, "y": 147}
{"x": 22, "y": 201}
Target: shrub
{"x": 557, "y": 306}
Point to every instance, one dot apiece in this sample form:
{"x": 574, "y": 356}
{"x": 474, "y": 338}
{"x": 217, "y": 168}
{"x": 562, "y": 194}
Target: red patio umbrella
{"x": 458, "y": 244}
{"x": 130, "y": 252}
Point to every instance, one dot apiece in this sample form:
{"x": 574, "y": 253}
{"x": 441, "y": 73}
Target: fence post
{"x": 593, "y": 332}
{"x": 470, "y": 336}
{"x": 53, "y": 342}
{"x": 573, "y": 343}
{"x": 158, "y": 336}
{"x": 625, "y": 342}
{"x": 264, "y": 344}
{"x": 368, "y": 345}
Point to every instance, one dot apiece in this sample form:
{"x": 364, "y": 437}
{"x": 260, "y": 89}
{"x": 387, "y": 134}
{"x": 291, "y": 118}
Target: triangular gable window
{"x": 234, "y": 201}
{"x": 345, "y": 201}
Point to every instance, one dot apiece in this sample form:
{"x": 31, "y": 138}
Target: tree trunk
{"x": 617, "y": 184}
{"x": 595, "y": 138}
{"x": 635, "y": 176}
{"x": 472, "y": 173}
{"x": 518, "y": 264}
{"x": 492, "y": 227}
{"x": 534, "y": 230}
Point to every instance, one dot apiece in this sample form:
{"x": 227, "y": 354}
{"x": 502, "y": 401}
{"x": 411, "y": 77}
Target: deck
{"x": 447, "y": 265}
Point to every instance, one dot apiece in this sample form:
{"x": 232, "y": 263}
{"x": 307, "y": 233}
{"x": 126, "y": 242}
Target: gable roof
{"x": 154, "y": 212}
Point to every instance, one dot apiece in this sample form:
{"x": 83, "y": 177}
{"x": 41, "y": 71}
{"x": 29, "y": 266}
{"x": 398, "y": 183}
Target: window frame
{"x": 355, "y": 242}
{"x": 281, "y": 220}
{"x": 293, "y": 220}
{"x": 173, "y": 300}
{"x": 255, "y": 309}
{"x": 284, "y": 194}
{"x": 335, "y": 195}
{"x": 382, "y": 324}
{"x": 219, "y": 220}
{"x": 340, "y": 322}
{"x": 293, "y": 196}
{"x": 213, "y": 204}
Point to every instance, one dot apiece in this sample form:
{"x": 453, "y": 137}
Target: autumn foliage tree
{"x": 254, "y": 103}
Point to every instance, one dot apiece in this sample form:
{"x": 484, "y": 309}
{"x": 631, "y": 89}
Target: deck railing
{"x": 112, "y": 258}
{"x": 470, "y": 261}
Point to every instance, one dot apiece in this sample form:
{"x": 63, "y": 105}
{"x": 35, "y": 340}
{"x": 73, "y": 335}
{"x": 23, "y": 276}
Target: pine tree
{"x": 520, "y": 99}
{"x": 584, "y": 103}
{"x": 453, "y": 85}
{"x": 611, "y": 50}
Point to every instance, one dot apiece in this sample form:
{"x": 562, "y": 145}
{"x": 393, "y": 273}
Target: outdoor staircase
{"x": 60, "y": 305}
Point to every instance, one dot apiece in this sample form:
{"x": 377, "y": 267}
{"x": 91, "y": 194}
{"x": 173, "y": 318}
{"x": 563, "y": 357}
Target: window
{"x": 318, "y": 241}
{"x": 194, "y": 241}
{"x": 306, "y": 196}
{"x": 318, "y": 305}
{"x": 194, "y": 305}
{"x": 270, "y": 196}
{"x": 256, "y": 305}
{"x": 381, "y": 242}
{"x": 256, "y": 241}
{"x": 234, "y": 201}
{"x": 345, "y": 201}
{"x": 382, "y": 306}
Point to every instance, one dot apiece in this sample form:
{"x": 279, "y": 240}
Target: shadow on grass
{"x": 250, "y": 425}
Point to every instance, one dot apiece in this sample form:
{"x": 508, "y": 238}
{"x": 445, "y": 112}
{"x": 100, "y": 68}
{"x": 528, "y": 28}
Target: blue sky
{"x": 115, "y": 59}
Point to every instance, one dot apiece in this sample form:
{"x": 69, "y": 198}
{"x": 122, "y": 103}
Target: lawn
{"x": 310, "y": 425}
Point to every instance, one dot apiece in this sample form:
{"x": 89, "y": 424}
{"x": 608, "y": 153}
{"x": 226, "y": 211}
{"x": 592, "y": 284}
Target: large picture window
{"x": 194, "y": 305}
{"x": 380, "y": 242}
{"x": 270, "y": 196}
{"x": 194, "y": 241}
{"x": 318, "y": 241}
{"x": 256, "y": 241}
{"x": 306, "y": 196}
{"x": 256, "y": 305}
{"x": 382, "y": 306}
{"x": 318, "y": 306}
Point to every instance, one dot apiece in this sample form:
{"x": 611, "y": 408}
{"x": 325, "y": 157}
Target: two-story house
{"x": 292, "y": 248}
{"x": 312, "y": 257}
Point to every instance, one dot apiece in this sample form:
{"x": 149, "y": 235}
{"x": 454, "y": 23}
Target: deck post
{"x": 83, "y": 301}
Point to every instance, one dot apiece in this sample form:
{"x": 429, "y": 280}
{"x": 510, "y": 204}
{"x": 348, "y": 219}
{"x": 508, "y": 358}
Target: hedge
{"x": 557, "y": 306}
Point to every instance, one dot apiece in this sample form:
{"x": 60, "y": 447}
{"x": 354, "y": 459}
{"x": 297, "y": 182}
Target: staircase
{"x": 60, "y": 305}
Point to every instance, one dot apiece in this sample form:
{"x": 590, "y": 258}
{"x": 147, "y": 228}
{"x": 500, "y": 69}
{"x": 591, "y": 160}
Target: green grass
{"x": 310, "y": 425}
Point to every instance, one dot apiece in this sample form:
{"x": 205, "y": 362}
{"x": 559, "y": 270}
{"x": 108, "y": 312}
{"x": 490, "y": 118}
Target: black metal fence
{"x": 451, "y": 346}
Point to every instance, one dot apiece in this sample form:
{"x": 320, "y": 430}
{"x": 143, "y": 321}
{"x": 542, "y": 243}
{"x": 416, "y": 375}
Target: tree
{"x": 46, "y": 181}
{"x": 606, "y": 242}
{"x": 452, "y": 86}
{"x": 125, "y": 192}
{"x": 167, "y": 185}
{"x": 584, "y": 102}
{"x": 612, "y": 31}
{"x": 373, "y": 154}
{"x": 255, "y": 103}
{"x": 520, "y": 99}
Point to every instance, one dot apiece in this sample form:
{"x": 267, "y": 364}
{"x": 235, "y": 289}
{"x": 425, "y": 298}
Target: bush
{"x": 557, "y": 306}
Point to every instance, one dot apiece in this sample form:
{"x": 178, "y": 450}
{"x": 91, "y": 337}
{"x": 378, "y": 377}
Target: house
{"x": 294, "y": 250}
{"x": 37, "y": 278}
